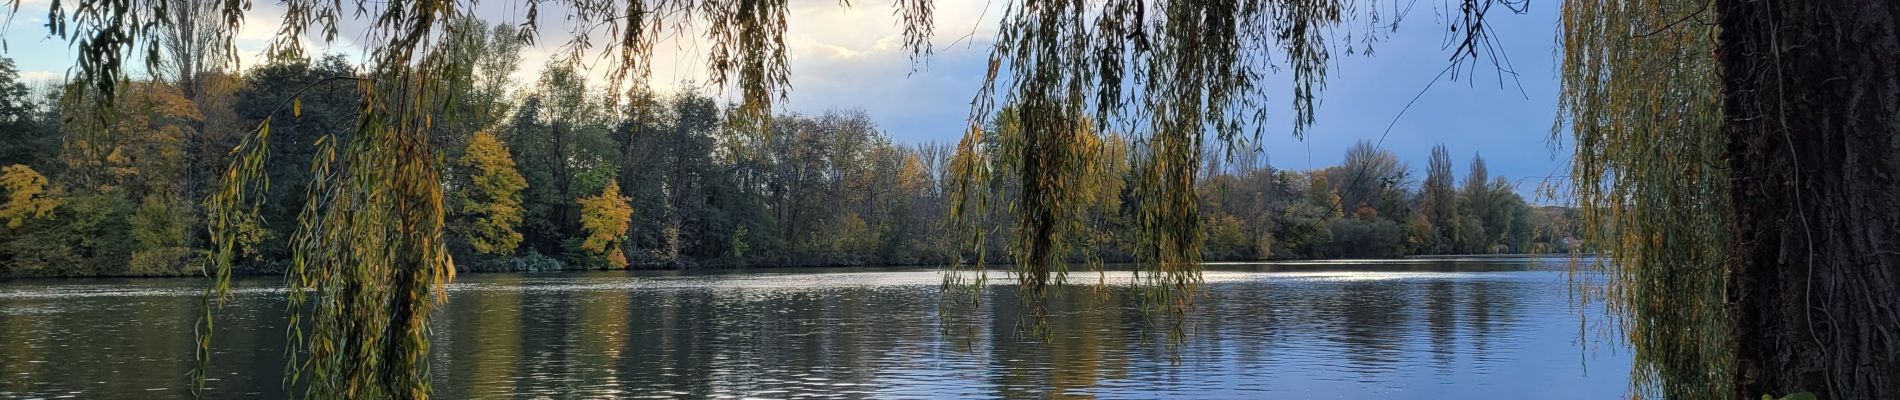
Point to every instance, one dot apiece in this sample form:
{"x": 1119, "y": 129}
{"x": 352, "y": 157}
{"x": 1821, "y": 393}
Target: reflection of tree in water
{"x": 548, "y": 346}
{"x": 1441, "y": 315}
{"x": 1255, "y": 323}
{"x": 1372, "y": 315}
{"x": 484, "y": 329}
{"x": 502, "y": 335}
{"x": 963, "y": 320}
{"x": 1016, "y": 368}
{"x": 1088, "y": 327}
{"x": 603, "y": 335}
{"x": 1370, "y": 323}
{"x": 254, "y": 358}
{"x": 700, "y": 342}
{"x": 669, "y": 348}
{"x": 1492, "y": 306}
{"x": 154, "y": 330}
{"x": 16, "y": 354}
{"x": 130, "y": 344}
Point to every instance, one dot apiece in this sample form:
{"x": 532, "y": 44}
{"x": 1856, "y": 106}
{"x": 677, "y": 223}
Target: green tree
{"x": 560, "y": 138}
{"x": 84, "y": 236}
{"x": 1475, "y": 205}
{"x": 160, "y": 227}
{"x": 481, "y": 59}
{"x": 1440, "y": 203}
{"x": 138, "y": 157}
{"x": 1512, "y": 217}
{"x": 304, "y": 101}
{"x": 26, "y": 137}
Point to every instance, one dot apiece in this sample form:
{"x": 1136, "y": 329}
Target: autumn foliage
{"x": 28, "y": 195}
{"x": 605, "y": 217}
{"x": 492, "y": 202}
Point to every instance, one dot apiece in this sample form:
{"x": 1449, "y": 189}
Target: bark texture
{"x": 1812, "y": 97}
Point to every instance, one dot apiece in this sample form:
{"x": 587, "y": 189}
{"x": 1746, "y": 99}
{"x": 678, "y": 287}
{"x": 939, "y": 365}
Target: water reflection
{"x": 1414, "y": 330}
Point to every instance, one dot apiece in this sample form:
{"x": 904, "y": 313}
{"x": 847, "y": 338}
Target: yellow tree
{"x": 139, "y": 148}
{"x": 27, "y": 195}
{"x": 605, "y": 217}
{"x": 912, "y": 178}
{"x": 148, "y": 143}
{"x": 492, "y": 201}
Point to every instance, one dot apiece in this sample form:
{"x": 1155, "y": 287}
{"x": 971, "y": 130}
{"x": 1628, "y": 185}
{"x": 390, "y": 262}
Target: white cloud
{"x": 262, "y": 24}
{"x": 41, "y": 76}
{"x": 841, "y": 57}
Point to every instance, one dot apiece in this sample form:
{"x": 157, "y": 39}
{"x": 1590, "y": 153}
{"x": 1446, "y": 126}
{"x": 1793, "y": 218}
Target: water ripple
{"x": 1412, "y": 330}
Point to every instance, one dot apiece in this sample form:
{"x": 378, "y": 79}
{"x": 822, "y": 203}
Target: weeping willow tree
{"x": 1811, "y": 100}
{"x": 1642, "y": 99}
{"x": 1737, "y": 161}
{"x": 1174, "y": 73}
{"x": 369, "y": 261}
{"x": 1042, "y": 181}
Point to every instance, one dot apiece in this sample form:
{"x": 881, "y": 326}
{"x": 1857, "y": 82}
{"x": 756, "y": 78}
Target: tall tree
{"x": 1440, "y": 201}
{"x": 1371, "y": 177}
{"x": 481, "y": 61}
{"x": 488, "y": 204}
{"x": 1775, "y": 120}
{"x": 687, "y": 170}
{"x": 25, "y": 136}
{"x": 1811, "y": 95}
{"x": 528, "y": 146}
{"x": 561, "y": 137}
{"x": 304, "y": 101}
{"x": 191, "y": 43}
{"x": 1474, "y": 234}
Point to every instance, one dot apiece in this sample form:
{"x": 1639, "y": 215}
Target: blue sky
{"x": 852, "y": 58}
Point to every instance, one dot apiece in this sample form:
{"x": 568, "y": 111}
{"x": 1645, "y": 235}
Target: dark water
{"x": 1346, "y": 330}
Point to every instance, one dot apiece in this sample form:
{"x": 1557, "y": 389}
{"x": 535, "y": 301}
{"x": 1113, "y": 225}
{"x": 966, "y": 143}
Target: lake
{"x": 1419, "y": 329}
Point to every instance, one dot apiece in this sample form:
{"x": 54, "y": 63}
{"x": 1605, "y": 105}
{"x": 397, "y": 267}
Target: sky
{"x": 852, "y": 57}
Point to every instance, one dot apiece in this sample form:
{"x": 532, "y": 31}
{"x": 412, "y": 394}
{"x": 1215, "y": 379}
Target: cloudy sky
{"x": 853, "y": 58}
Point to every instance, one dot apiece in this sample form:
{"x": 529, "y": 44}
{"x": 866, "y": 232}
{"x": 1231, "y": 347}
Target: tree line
{"x": 555, "y": 175}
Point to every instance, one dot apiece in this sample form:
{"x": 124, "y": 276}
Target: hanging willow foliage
{"x": 1642, "y": 98}
{"x": 369, "y": 258}
{"x": 1047, "y": 182}
{"x": 1176, "y": 72}
{"x": 368, "y": 261}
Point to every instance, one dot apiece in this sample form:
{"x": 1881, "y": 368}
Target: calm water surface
{"x": 1335, "y": 330}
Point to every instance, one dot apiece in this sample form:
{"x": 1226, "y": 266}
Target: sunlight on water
{"x": 1406, "y": 330}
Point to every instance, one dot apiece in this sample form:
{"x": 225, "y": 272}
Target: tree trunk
{"x": 1812, "y": 100}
